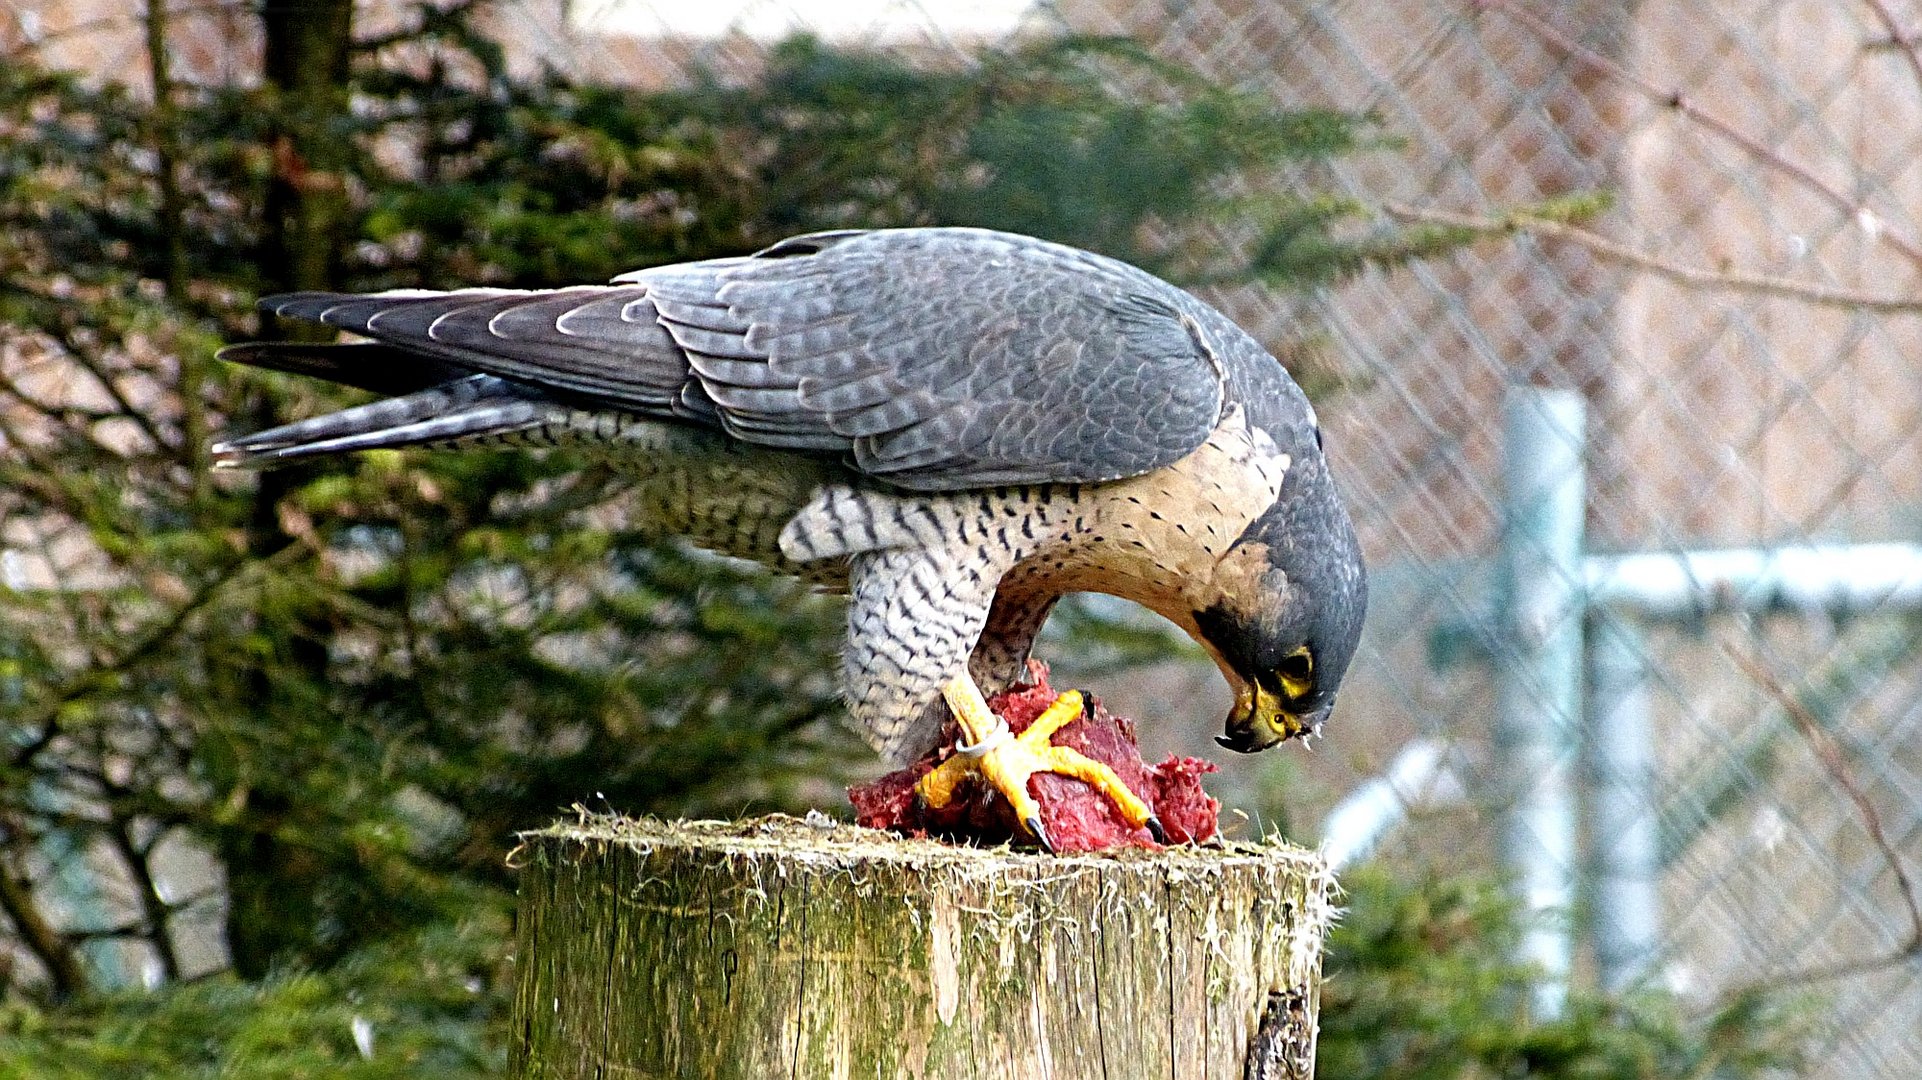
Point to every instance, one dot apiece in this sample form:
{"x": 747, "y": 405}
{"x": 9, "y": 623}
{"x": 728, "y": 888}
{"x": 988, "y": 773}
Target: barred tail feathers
{"x": 470, "y": 408}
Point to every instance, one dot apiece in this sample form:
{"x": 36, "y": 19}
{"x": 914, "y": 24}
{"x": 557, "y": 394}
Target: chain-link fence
{"x": 1741, "y": 328}
{"x": 1689, "y": 713}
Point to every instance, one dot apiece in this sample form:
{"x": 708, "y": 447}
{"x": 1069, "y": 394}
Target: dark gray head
{"x": 1293, "y": 593}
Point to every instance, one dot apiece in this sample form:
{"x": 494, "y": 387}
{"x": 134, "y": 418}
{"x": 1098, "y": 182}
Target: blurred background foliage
{"x": 270, "y": 737}
{"x": 1421, "y": 983}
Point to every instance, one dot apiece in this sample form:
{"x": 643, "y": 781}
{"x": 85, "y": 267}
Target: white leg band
{"x": 990, "y": 742}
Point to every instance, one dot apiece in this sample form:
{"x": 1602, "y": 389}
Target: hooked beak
{"x": 1259, "y": 722}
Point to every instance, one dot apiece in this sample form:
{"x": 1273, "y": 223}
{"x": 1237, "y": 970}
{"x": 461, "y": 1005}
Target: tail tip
{"x": 234, "y": 455}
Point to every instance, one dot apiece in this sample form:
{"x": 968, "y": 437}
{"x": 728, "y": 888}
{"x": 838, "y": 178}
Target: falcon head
{"x": 1287, "y": 612}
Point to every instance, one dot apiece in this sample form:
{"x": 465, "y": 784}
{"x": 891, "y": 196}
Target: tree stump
{"x": 779, "y": 947}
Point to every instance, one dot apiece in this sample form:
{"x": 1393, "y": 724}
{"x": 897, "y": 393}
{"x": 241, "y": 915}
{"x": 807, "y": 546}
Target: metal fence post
{"x": 1538, "y": 675}
{"x": 1622, "y": 834}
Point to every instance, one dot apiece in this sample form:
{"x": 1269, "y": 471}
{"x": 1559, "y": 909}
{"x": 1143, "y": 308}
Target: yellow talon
{"x": 1063, "y": 711}
{"x": 1006, "y": 761}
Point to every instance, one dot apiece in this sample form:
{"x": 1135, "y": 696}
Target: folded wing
{"x": 932, "y": 358}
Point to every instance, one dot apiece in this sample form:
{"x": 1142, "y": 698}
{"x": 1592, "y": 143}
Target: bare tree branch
{"x": 1856, "y": 209}
{"x": 48, "y": 945}
{"x": 1522, "y": 221}
{"x": 1901, "y": 37}
{"x": 153, "y": 925}
{"x": 441, "y": 15}
{"x": 47, "y": 716}
{"x": 112, "y": 386}
{"x": 1836, "y": 765}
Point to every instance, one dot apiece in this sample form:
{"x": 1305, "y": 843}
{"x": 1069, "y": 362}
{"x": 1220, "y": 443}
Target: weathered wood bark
{"x": 779, "y": 948}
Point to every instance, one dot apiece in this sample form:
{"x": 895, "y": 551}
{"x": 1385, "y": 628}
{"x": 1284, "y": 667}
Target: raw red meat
{"x": 1075, "y": 815}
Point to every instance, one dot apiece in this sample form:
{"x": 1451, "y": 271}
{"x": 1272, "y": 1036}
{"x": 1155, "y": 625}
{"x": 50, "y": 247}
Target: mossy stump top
{"x": 783, "y": 948}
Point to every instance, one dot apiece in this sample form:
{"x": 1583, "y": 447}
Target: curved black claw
{"x": 1155, "y": 830}
{"x": 1040, "y": 834}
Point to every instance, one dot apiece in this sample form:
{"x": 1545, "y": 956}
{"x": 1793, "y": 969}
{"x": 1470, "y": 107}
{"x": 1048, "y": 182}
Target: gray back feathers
{"x": 933, "y": 359}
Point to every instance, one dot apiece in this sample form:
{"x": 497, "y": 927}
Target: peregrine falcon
{"x": 954, "y": 427}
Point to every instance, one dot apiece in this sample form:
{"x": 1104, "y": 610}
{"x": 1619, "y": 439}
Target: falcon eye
{"x": 1296, "y": 673}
